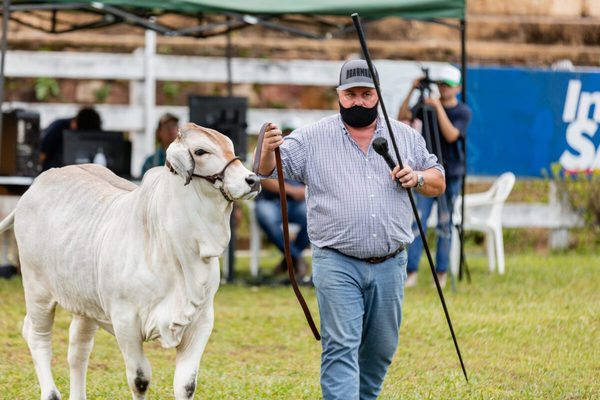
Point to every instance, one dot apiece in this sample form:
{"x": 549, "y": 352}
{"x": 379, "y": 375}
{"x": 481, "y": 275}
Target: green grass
{"x": 533, "y": 333}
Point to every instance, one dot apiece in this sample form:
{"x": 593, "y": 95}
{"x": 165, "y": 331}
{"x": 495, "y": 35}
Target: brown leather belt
{"x": 372, "y": 260}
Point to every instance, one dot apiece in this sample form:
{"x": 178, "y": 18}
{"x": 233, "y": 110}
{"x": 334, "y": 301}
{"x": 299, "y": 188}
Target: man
{"x": 359, "y": 224}
{"x": 51, "y": 147}
{"x": 268, "y": 213}
{"x": 453, "y": 117}
{"x": 166, "y": 132}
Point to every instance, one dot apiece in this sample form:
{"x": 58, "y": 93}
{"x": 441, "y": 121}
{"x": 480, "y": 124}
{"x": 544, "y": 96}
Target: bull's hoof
{"x": 141, "y": 383}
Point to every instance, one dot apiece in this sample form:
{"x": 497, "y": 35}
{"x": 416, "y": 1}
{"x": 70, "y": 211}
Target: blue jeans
{"x": 360, "y": 306}
{"x": 443, "y": 229}
{"x": 268, "y": 215}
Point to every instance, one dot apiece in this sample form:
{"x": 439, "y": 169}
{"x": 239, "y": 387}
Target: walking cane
{"x": 382, "y": 149}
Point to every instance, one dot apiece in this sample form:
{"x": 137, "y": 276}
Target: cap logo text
{"x": 358, "y": 72}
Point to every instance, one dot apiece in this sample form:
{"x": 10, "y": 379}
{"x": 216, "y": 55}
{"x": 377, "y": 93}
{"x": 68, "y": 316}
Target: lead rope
{"x": 286, "y": 232}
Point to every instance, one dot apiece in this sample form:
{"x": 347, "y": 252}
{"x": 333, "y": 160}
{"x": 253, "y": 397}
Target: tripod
{"x": 431, "y": 133}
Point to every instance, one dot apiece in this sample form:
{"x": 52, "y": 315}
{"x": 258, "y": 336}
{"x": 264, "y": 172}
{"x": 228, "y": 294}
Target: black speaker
{"x": 81, "y": 147}
{"x": 224, "y": 114}
{"x": 20, "y": 143}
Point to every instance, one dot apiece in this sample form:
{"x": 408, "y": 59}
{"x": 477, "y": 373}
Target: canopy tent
{"x": 248, "y": 12}
{"x": 216, "y": 17}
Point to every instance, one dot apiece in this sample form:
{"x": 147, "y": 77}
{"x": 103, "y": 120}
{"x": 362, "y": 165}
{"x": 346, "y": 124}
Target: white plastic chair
{"x": 483, "y": 212}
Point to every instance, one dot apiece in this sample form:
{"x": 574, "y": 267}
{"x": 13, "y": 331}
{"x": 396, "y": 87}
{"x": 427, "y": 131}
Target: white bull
{"x": 140, "y": 262}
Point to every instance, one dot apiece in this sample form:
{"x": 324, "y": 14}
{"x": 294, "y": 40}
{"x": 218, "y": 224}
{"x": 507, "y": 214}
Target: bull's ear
{"x": 181, "y": 160}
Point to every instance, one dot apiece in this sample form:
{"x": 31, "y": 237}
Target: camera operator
{"x": 453, "y": 116}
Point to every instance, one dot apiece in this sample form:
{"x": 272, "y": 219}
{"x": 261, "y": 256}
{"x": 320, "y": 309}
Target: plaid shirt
{"x": 353, "y": 205}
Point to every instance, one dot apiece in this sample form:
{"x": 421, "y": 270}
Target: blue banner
{"x": 526, "y": 119}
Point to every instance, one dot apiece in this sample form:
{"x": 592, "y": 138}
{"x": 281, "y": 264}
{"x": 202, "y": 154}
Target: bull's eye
{"x": 200, "y": 152}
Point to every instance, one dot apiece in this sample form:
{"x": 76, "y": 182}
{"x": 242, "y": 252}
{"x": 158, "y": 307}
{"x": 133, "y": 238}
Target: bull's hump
{"x": 90, "y": 173}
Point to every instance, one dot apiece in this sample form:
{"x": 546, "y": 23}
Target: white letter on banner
{"x": 571, "y": 100}
{"x": 586, "y": 100}
{"x": 581, "y": 144}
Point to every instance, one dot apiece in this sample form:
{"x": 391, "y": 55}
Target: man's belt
{"x": 371, "y": 260}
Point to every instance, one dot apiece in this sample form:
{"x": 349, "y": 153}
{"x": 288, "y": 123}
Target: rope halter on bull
{"x": 215, "y": 179}
{"x": 284, "y": 219}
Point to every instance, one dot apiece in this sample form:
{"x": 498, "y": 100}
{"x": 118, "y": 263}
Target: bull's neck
{"x": 193, "y": 218}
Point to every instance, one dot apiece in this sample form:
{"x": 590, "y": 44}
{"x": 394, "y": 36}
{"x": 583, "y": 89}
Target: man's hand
{"x": 434, "y": 102}
{"x": 407, "y": 177}
{"x": 272, "y": 139}
{"x": 417, "y": 82}
{"x": 296, "y": 192}
{"x": 434, "y": 182}
{"x": 404, "y": 114}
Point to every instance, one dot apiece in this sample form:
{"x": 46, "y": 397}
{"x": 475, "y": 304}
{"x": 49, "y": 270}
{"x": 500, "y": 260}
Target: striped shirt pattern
{"x": 353, "y": 204}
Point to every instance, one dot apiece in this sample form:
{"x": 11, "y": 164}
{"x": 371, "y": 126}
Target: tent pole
{"x": 229, "y": 55}
{"x": 5, "y": 16}
{"x": 149, "y": 92}
{"x": 232, "y": 241}
{"x": 463, "y": 60}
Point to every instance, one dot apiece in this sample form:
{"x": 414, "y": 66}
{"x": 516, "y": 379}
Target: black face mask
{"x": 358, "y": 116}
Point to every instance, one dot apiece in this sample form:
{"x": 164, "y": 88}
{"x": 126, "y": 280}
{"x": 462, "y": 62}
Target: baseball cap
{"x": 291, "y": 123}
{"x": 166, "y": 118}
{"x": 356, "y": 73}
{"x": 448, "y": 74}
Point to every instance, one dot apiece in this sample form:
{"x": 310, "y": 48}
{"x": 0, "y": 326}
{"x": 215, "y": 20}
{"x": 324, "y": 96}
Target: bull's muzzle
{"x": 254, "y": 182}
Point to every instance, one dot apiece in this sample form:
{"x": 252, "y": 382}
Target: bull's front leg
{"x": 189, "y": 353}
{"x": 138, "y": 370}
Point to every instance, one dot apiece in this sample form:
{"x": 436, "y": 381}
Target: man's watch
{"x": 420, "y": 180}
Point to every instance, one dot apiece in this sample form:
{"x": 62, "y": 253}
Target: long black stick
{"x": 365, "y": 50}
{"x": 463, "y": 61}
{"x": 5, "y": 17}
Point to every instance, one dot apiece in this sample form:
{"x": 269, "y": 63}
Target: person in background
{"x": 268, "y": 213}
{"x": 359, "y": 223}
{"x": 166, "y": 132}
{"x": 51, "y": 147}
{"x": 453, "y": 117}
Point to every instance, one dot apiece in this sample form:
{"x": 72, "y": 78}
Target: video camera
{"x": 428, "y": 116}
{"x": 425, "y": 83}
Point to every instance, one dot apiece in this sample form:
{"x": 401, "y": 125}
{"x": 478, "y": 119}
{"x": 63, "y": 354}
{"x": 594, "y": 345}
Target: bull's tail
{"x": 7, "y": 222}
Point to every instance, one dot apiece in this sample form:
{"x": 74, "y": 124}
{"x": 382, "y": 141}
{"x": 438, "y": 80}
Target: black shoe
{"x": 306, "y": 281}
{"x": 281, "y": 268}
{"x": 301, "y": 268}
{"x": 6, "y": 271}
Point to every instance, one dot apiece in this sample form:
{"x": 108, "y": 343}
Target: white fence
{"x": 140, "y": 117}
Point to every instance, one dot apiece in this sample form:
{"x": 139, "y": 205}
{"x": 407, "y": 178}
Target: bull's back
{"x": 60, "y": 226}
